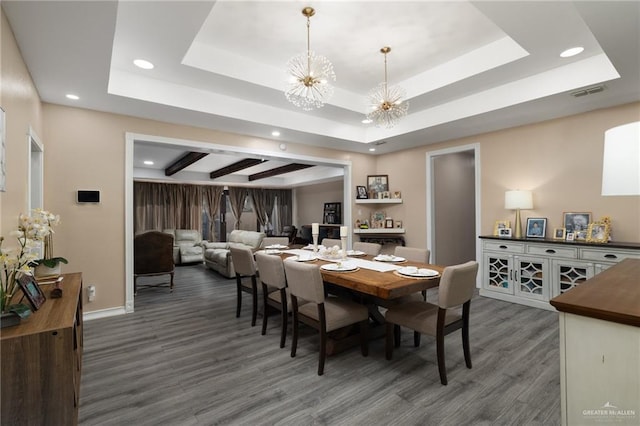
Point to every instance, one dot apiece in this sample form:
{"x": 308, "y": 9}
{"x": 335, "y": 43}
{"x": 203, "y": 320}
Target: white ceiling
{"x": 467, "y": 67}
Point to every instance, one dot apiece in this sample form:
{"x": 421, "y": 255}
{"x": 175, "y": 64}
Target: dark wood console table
{"x": 42, "y": 361}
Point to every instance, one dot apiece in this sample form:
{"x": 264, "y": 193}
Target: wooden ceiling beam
{"x": 279, "y": 170}
{"x": 186, "y": 160}
{"x": 231, "y": 168}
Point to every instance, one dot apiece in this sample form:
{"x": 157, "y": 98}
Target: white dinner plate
{"x": 339, "y": 267}
{"x": 302, "y": 258}
{"x": 276, "y": 246}
{"x": 422, "y": 272}
{"x": 310, "y": 247}
{"x": 389, "y": 258}
{"x": 273, "y": 251}
{"x": 355, "y": 253}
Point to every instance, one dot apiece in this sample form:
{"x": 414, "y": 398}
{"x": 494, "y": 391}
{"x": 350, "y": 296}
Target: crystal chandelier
{"x": 309, "y": 75}
{"x": 387, "y": 107}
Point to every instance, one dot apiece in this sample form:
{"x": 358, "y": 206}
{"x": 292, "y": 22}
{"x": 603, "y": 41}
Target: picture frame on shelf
{"x": 500, "y": 224}
{"x": 377, "y": 184}
{"x": 398, "y": 224}
{"x": 570, "y": 236}
{"x": 385, "y": 195}
{"x": 397, "y": 194}
{"x": 598, "y": 232}
{"x": 361, "y": 193}
{"x": 559, "y": 233}
{"x": 504, "y": 232}
{"x": 32, "y": 291}
{"x": 536, "y": 227}
{"x": 388, "y": 223}
{"x": 580, "y": 235}
{"x": 576, "y": 221}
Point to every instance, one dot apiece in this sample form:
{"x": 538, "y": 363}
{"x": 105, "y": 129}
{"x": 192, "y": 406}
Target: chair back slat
{"x": 304, "y": 281}
{"x": 413, "y": 254}
{"x": 271, "y": 270}
{"x": 457, "y": 284}
{"x": 243, "y": 262}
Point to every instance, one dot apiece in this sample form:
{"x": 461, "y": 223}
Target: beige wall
{"x": 85, "y": 150}
{"x": 310, "y": 201}
{"x": 20, "y": 101}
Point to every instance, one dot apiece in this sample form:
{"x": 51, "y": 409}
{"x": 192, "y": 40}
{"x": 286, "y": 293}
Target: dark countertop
{"x": 581, "y": 243}
{"x": 613, "y": 295}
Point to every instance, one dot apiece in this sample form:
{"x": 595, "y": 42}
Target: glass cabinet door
{"x": 498, "y": 273}
{"x": 530, "y": 275}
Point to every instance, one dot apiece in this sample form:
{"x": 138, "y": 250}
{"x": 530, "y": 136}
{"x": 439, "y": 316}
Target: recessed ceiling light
{"x": 141, "y": 63}
{"x": 367, "y": 121}
{"x": 72, "y": 96}
{"x": 372, "y": 149}
{"x": 572, "y": 52}
{"x": 283, "y": 146}
{"x": 148, "y": 162}
{"x": 275, "y": 133}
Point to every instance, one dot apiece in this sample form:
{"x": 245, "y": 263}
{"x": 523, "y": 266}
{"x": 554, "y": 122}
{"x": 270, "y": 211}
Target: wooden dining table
{"x": 371, "y": 287}
{"x": 386, "y": 285}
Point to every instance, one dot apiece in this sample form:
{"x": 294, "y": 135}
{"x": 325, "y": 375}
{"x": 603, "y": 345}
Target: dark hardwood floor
{"x": 183, "y": 358}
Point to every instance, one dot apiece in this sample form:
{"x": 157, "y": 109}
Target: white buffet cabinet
{"x": 533, "y": 271}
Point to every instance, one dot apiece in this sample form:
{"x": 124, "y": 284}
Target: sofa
{"x": 217, "y": 255}
{"x": 187, "y": 245}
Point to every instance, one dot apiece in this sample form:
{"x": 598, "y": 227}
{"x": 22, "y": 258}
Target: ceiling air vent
{"x": 588, "y": 91}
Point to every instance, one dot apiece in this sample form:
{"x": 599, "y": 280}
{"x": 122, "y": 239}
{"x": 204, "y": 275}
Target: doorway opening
{"x": 453, "y": 204}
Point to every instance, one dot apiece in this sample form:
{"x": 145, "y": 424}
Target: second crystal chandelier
{"x": 386, "y": 103}
{"x": 309, "y": 75}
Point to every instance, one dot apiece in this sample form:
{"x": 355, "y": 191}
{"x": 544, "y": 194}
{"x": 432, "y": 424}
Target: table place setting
{"x": 276, "y": 247}
{"x": 304, "y": 257}
{"x": 418, "y": 273}
{"x": 340, "y": 267}
{"x": 389, "y": 258}
{"x": 355, "y": 253}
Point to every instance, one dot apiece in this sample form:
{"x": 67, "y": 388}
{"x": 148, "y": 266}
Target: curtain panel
{"x": 284, "y": 202}
{"x": 263, "y": 201}
{"x": 212, "y": 198}
{"x": 237, "y": 197}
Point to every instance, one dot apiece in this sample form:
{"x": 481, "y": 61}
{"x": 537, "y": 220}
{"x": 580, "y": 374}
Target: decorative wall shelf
{"x": 379, "y": 231}
{"x": 379, "y": 201}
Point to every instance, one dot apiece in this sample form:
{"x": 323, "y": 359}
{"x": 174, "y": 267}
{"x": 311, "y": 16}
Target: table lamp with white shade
{"x": 518, "y": 200}
{"x": 621, "y": 161}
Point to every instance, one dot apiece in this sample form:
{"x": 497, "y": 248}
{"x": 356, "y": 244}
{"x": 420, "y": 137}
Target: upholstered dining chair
{"x": 457, "y": 285}
{"x": 413, "y": 254}
{"x": 325, "y": 314}
{"x": 330, "y": 242}
{"x": 372, "y": 249}
{"x": 270, "y": 241}
{"x": 274, "y": 290}
{"x": 245, "y": 267}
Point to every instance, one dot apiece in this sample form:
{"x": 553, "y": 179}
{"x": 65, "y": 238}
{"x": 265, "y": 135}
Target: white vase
{"x": 45, "y": 271}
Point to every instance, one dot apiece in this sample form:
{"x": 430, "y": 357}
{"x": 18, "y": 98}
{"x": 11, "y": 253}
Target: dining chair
{"x": 275, "y": 293}
{"x": 270, "y": 241}
{"x": 330, "y": 242}
{"x": 245, "y": 267}
{"x": 372, "y": 249}
{"x": 413, "y": 254}
{"x": 457, "y": 285}
{"x": 325, "y": 314}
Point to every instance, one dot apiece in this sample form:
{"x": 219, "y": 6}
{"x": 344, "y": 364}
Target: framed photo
{"x": 580, "y": 235}
{"x": 377, "y": 184}
{"x": 500, "y": 224}
{"x": 388, "y": 223}
{"x": 575, "y": 222}
{"x": 32, "y": 291}
{"x": 504, "y": 232}
{"x": 398, "y": 224}
{"x": 570, "y": 236}
{"x": 397, "y": 194}
{"x": 559, "y": 233}
{"x": 361, "y": 193}
{"x": 536, "y": 227}
{"x": 598, "y": 232}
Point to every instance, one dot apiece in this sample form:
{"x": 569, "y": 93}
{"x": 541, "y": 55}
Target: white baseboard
{"x": 103, "y": 313}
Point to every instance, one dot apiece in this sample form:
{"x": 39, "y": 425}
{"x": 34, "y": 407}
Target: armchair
{"x": 187, "y": 245}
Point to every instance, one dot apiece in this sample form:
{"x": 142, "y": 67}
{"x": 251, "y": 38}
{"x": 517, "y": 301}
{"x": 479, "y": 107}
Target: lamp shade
{"x": 517, "y": 199}
{"x": 621, "y": 161}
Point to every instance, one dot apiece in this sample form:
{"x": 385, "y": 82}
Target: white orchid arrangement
{"x": 32, "y": 231}
{"x": 332, "y": 252}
